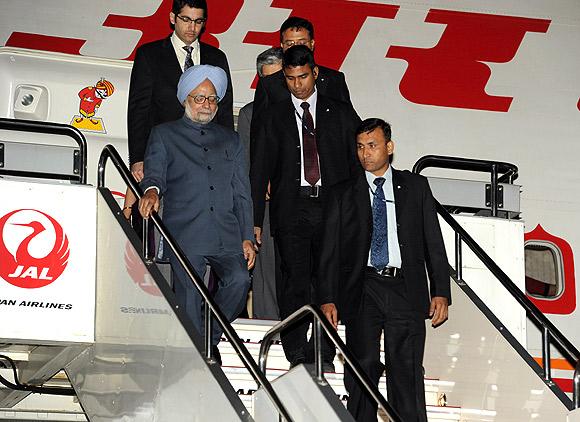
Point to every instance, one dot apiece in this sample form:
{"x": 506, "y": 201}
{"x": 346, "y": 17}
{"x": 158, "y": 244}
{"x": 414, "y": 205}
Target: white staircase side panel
{"x": 484, "y": 370}
{"x": 144, "y": 366}
{"x": 574, "y": 416}
{"x": 503, "y": 241}
{"x": 305, "y": 398}
{"x": 47, "y": 262}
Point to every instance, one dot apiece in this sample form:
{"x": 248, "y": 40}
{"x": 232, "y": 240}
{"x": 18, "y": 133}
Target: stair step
{"x": 251, "y": 332}
{"x": 243, "y": 383}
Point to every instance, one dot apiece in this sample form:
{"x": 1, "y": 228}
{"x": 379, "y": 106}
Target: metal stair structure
{"x": 140, "y": 359}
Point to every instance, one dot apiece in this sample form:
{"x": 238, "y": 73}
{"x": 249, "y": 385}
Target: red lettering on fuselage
{"x": 336, "y": 25}
{"x": 454, "y": 73}
{"x": 45, "y": 43}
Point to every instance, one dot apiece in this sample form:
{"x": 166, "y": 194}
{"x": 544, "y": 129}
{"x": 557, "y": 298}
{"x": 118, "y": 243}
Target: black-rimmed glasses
{"x": 187, "y": 19}
{"x": 200, "y": 99}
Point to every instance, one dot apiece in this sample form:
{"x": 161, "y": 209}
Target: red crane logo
{"x": 138, "y": 273}
{"x": 25, "y": 263}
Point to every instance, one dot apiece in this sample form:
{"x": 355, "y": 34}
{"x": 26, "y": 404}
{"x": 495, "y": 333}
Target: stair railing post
{"x": 317, "y": 333}
{"x": 494, "y": 190}
{"x": 207, "y": 334}
{"x": 546, "y": 353}
{"x": 145, "y": 229}
{"x": 458, "y": 257}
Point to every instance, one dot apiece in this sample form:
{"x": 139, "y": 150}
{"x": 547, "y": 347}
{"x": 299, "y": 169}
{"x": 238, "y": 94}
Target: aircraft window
{"x": 543, "y": 270}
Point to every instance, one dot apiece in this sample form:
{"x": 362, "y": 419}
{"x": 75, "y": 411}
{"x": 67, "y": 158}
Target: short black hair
{"x": 368, "y": 125}
{"x": 298, "y": 23}
{"x": 180, "y": 4}
{"x": 298, "y": 55}
{"x": 273, "y": 55}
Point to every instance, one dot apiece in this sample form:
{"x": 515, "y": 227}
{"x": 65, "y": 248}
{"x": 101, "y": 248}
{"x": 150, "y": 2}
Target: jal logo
{"x": 34, "y": 249}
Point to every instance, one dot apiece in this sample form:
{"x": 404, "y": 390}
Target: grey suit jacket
{"x": 244, "y": 124}
{"x": 201, "y": 172}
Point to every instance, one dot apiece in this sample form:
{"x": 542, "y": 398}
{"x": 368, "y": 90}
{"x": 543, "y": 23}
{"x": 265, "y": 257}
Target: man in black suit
{"x": 272, "y": 89}
{"x": 380, "y": 233}
{"x": 156, "y": 70}
{"x": 305, "y": 146}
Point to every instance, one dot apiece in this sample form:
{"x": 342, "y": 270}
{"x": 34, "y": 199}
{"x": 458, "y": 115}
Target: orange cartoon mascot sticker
{"x": 91, "y": 99}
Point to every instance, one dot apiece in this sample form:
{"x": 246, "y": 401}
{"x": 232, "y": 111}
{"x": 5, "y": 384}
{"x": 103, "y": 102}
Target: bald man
{"x": 199, "y": 167}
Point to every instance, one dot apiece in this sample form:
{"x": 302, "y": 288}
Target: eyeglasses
{"x": 292, "y": 43}
{"x": 187, "y": 20}
{"x": 200, "y": 99}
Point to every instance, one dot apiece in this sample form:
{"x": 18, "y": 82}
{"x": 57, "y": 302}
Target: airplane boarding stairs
{"x": 130, "y": 355}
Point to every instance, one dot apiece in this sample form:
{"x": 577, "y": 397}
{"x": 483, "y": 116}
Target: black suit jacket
{"x": 347, "y": 239}
{"x": 276, "y": 155}
{"x": 153, "y": 91}
{"x": 272, "y": 89}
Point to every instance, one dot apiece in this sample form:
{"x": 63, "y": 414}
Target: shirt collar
{"x": 178, "y": 44}
{"x": 388, "y": 176}
{"x": 310, "y": 100}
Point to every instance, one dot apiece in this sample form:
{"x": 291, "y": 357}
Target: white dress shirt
{"x": 393, "y": 238}
{"x": 299, "y": 111}
{"x": 181, "y": 53}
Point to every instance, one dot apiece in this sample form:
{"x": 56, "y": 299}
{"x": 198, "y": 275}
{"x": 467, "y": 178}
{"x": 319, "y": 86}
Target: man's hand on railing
{"x": 149, "y": 202}
{"x": 330, "y": 312}
{"x": 438, "y": 311}
{"x": 249, "y": 253}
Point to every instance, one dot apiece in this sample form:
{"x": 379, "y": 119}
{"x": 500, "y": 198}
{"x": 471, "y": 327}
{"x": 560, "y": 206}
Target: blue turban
{"x": 195, "y": 75}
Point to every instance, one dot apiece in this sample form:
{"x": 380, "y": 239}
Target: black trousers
{"x": 386, "y": 308}
{"x": 298, "y": 243}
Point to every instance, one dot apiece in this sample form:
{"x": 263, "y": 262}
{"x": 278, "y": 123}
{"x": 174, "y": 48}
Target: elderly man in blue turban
{"x": 199, "y": 168}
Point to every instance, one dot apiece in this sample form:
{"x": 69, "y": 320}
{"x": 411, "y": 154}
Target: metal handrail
{"x": 321, "y": 322}
{"x": 211, "y": 307}
{"x": 549, "y": 331}
{"x": 54, "y": 129}
{"x": 509, "y": 172}
{"x": 469, "y": 164}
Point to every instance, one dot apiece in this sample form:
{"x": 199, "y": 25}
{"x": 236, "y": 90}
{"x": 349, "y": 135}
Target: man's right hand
{"x": 329, "y": 310}
{"x": 149, "y": 202}
{"x": 258, "y": 235}
{"x": 137, "y": 170}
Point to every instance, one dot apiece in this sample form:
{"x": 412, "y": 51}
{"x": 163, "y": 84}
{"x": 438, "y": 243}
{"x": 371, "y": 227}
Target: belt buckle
{"x": 314, "y": 191}
{"x": 388, "y": 272}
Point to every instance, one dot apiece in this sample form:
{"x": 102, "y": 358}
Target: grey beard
{"x": 193, "y": 119}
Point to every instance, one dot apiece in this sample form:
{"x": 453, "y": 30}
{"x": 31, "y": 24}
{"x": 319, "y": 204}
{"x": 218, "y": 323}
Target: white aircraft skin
{"x": 491, "y": 80}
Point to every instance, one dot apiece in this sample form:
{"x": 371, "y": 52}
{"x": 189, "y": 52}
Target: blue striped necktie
{"x": 379, "y": 242}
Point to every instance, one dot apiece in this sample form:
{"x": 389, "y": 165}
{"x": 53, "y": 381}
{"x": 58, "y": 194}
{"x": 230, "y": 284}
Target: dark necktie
{"x": 188, "y": 59}
{"x": 309, "y": 152}
{"x": 379, "y": 242}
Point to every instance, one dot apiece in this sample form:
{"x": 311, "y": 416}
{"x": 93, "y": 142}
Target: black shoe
{"x": 328, "y": 367}
{"x": 296, "y": 362}
{"x": 215, "y": 353}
